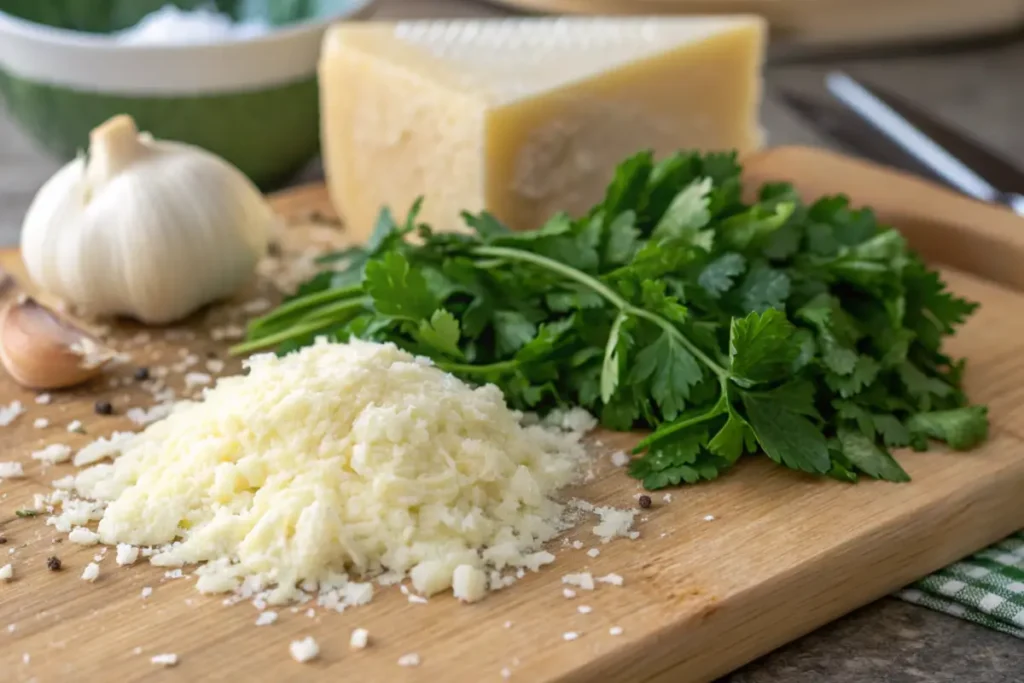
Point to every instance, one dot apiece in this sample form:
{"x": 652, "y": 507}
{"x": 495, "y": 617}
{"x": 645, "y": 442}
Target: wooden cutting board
{"x": 783, "y": 554}
{"x": 823, "y": 22}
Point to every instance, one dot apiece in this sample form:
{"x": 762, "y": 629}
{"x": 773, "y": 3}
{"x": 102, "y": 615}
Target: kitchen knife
{"x": 960, "y": 162}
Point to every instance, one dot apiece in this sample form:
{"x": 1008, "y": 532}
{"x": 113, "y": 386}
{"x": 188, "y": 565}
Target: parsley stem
{"x": 325, "y": 317}
{"x": 470, "y": 369}
{"x": 603, "y": 290}
{"x": 720, "y": 407}
{"x": 304, "y": 302}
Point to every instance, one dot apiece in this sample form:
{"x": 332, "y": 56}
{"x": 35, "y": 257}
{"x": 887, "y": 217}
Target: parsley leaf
{"x": 398, "y": 291}
{"x": 861, "y": 450}
{"x": 785, "y": 433}
{"x": 441, "y": 333}
{"x": 672, "y": 370}
{"x": 761, "y": 347}
{"x": 961, "y": 428}
{"x": 718, "y": 277}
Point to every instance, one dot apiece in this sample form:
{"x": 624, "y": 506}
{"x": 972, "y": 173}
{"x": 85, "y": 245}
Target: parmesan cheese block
{"x": 525, "y": 117}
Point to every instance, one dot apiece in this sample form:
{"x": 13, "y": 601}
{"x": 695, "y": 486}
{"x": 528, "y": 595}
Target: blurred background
{"x": 962, "y": 61}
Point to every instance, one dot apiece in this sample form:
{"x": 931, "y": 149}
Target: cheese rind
{"x": 525, "y": 117}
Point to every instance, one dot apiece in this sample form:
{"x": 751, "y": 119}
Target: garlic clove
{"x": 41, "y": 350}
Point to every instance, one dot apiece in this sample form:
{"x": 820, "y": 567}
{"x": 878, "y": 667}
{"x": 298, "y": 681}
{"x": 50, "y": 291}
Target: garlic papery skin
{"x": 144, "y": 228}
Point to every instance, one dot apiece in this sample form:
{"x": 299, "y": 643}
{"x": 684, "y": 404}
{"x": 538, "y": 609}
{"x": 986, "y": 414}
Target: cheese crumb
{"x": 568, "y": 593}
{"x": 11, "y": 470}
{"x": 584, "y": 580}
{"x": 53, "y": 454}
{"x": 83, "y": 536}
{"x": 667, "y": 498}
{"x": 10, "y": 412}
{"x": 127, "y": 554}
{"x": 709, "y": 518}
{"x": 613, "y": 579}
{"x": 584, "y": 609}
{"x": 469, "y": 584}
{"x": 146, "y": 591}
{"x": 620, "y": 459}
{"x": 411, "y": 659}
{"x": 614, "y": 522}
{"x": 145, "y": 416}
{"x": 41, "y": 423}
{"x": 215, "y": 366}
{"x": 570, "y": 635}
{"x": 75, "y": 426}
{"x": 360, "y": 638}
{"x": 165, "y": 660}
{"x": 43, "y": 399}
{"x": 266, "y": 618}
{"x": 304, "y": 650}
{"x": 91, "y": 572}
{"x": 593, "y": 552}
{"x": 101, "y": 449}
{"x": 506, "y": 673}
{"x": 339, "y": 454}
{"x": 197, "y": 379}
{"x": 6, "y": 574}
{"x": 615, "y": 630}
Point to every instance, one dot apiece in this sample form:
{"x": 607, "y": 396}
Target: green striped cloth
{"x": 986, "y": 588}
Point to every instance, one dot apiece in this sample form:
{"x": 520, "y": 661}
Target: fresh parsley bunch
{"x": 807, "y": 332}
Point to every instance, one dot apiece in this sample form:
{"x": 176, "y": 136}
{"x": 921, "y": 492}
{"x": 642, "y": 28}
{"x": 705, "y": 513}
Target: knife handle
{"x": 945, "y": 227}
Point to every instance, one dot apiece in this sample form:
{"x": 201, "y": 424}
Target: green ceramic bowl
{"x": 253, "y": 102}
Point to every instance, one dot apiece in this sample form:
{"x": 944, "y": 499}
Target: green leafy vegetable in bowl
{"x": 807, "y": 332}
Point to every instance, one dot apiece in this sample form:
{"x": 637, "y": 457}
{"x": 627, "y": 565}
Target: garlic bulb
{"x": 145, "y": 228}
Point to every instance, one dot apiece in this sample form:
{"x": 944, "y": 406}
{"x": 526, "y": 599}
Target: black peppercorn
{"x": 645, "y": 502}
{"x": 103, "y": 408}
{"x": 142, "y": 374}
{"x": 53, "y": 563}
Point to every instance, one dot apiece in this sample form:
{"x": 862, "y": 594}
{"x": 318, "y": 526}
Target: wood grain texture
{"x": 784, "y": 554}
{"x": 822, "y": 22}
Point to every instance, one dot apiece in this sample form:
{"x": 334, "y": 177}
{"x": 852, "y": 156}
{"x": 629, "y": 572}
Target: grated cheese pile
{"x": 337, "y": 459}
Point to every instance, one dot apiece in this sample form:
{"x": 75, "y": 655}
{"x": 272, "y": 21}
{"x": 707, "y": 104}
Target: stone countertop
{"x": 889, "y": 641}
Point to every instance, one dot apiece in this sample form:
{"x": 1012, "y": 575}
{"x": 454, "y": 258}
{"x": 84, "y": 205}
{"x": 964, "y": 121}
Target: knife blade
{"x": 984, "y": 178}
{"x": 853, "y": 135}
